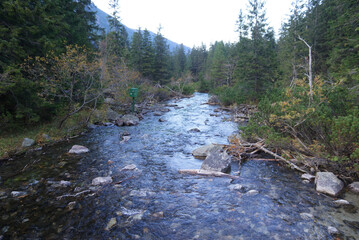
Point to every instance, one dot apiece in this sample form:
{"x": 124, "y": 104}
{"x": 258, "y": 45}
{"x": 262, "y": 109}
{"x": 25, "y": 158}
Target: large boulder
{"x": 328, "y": 183}
{"x": 27, "y": 142}
{"x": 112, "y": 115}
{"x": 217, "y": 160}
{"x": 202, "y": 152}
{"x": 130, "y": 120}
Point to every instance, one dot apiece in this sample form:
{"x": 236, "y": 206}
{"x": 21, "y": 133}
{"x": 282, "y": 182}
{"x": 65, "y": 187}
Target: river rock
{"x": 252, "y": 192}
{"x": 203, "y": 151}
{"x": 217, "y": 160}
{"x": 130, "y": 120}
{"x": 307, "y": 176}
{"x": 333, "y": 230}
{"x": 194, "y": 130}
{"x": 354, "y": 187}
{"x": 161, "y": 120}
{"x": 125, "y": 139}
{"x": 112, "y": 115}
{"x": 101, "y": 180}
{"x": 236, "y": 187}
{"x": 306, "y": 216}
{"x": 341, "y": 202}
{"x": 157, "y": 114}
{"x": 27, "y": 142}
{"x": 70, "y": 206}
{"x": 18, "y": 194}
{"x": 111, "y": 224}
{"x": 129, "y": 167}
{"x": 328, "y": 183}
{"x": 78, "y": 149}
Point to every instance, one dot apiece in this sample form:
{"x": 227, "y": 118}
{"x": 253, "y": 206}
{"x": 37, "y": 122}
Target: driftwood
{"x": 73, "y": 195}
{"x": 206, "y": 173}
{"x": 245, "y": 150}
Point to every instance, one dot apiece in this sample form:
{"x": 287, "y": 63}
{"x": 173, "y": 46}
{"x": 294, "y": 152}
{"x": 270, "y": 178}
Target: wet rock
{"x": 328, "y": 183}
{"x": 130, "y": 120}
{"x": 202, "y": 152}
{"x": 18, "y": 194}
{"x": 177, "y": 108}
{"x": 119, "y": 122}
{"x": 236, "y": 187}
{"x": 61, "y": 183}
{"x": 171, "y": 105}
{"x": 125, "y": 139}
{"x": 354, "y": 187}
{"x": 217, "y": 160}
{"x": 138, "y": 193}
{"x": 158, "y": 215}
{"x": 194, "y": 130}
{"x": 157, "y": 114}
{"x": 307, "y": 176}
{"x": 350, "y": 208}
{"x": 112, "y": 115}
{"x": 78, "y": 149}
{"x": 129, "y": 167}
{"x": 306, "y": 216}
{"x": 340, "y": 202}
{"x": 101, "y": 180}
{"x": 165, "y": 110}
{"x": 161, "y": 120}
{"x": 252, "y": 192}
{"x": 125, "y": 133}
{"x": 333, "y": 230}
{"x": 107, "y": 124}
{"x": 27, "y": 142}
{"x": 70, "y": 206}
{"x": 111, "y": 224}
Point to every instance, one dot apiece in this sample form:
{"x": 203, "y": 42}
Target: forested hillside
{"x": 55, "y": 67}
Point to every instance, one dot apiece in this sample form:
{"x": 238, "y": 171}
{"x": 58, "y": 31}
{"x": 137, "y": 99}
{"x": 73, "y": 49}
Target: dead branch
{"x": 206, "y": 173}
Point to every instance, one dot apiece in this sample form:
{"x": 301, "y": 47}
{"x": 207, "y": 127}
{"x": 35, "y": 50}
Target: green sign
{"x": 133, "y": 92}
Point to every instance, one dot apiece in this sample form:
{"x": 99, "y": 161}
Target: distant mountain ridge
{"x": 102, "y": 21}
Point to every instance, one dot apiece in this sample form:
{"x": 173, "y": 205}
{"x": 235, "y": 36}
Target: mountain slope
{"x": 102, "y": 21}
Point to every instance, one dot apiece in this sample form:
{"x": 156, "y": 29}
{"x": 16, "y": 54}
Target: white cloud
{"x": 192, "y": 22}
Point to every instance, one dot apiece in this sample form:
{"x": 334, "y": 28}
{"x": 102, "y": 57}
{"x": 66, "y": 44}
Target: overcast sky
{"x": 193, "y": 22}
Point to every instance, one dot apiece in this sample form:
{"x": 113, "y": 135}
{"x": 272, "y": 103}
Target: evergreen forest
{"x": 58, "y": 67}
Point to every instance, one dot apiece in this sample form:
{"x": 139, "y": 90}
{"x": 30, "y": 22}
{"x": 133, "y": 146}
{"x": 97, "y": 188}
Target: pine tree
{"x": 137, "y": 51}
{"x": 161, "y": 57}
{"x": 148, "y": 55}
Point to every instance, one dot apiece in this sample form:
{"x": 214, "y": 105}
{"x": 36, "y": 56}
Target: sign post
{"x": 133, "y": 94}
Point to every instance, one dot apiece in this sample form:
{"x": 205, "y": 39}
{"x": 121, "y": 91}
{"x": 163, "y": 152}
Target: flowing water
{"x": 55, "y": 198}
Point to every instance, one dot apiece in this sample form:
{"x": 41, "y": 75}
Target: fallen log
{"x": 281, "y": 158}
{"x": 206, "y": 173}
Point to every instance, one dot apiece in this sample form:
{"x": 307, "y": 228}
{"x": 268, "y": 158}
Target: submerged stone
{"x": 111, "y": 224}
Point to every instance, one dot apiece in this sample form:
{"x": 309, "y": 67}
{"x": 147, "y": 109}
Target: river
{"x": 53, "y": 197}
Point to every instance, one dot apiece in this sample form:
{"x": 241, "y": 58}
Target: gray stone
{"x": 27, "y": 142}
{"x": 252, "y": 192}
{"x": 18, "y": 194}
{"x": 333, "y": 230}
{"x": 162, "y": 120}
{"x": 306, "y": 216}
{"x": 78, "y": 149}
{"x": 112, "y": 115}
{"x": 203, "y": 151}
{"x": 217, "y": 160}
{"x": 157, "y": 114}
{"x": 307, "y": 176}
{"x": 328, "y": 183}
{"x": 101, "y": 180}
{"x": 125, "y": 139}
{"x": 194, "y": 130}
{"x": 341, "y": 202}
{"x": 70, "y": 206}
{"x": 354, "y": 187}
{"x": 213, "y": 100}
{"x": 110, "y": 101}
{"x": 130, "y": 120}
{"x": 236, "y": 187}
{"x": 111, "y": 224}
{"x": 129, "y": 167}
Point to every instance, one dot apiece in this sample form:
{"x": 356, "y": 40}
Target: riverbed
{"x": 53, "y": 198}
